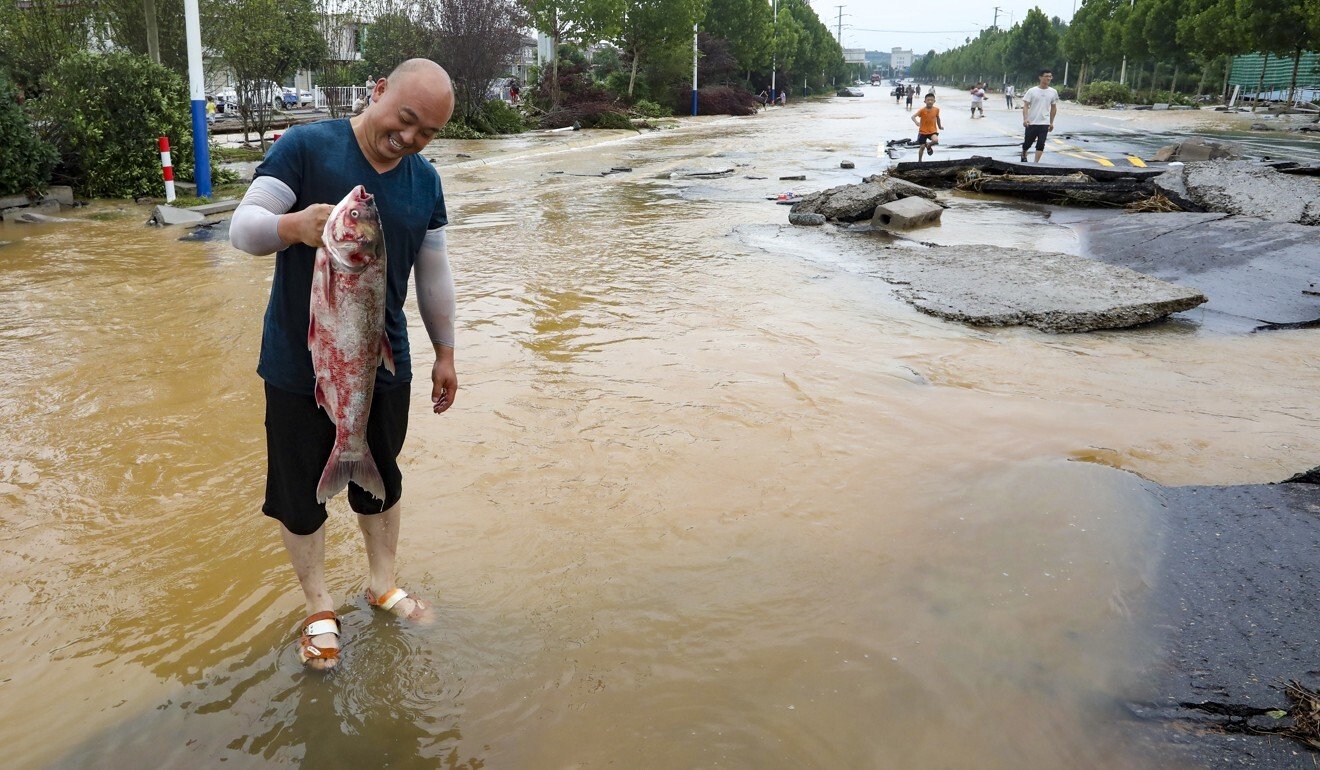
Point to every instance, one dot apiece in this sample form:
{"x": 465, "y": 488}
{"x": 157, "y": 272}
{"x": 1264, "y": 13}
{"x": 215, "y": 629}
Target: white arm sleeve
{"x": 435, "y": 288}
{"x": 255, "y": 225}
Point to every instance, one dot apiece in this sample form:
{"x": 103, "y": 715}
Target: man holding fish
{"x": 350, "y": 208}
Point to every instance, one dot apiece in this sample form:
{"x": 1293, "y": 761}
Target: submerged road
{"x": 1089, "y": 137}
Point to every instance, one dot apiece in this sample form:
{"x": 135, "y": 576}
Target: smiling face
{"x": 407, "y": 110}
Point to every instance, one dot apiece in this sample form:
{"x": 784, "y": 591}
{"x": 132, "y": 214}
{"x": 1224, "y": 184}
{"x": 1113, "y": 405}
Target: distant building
{"x": 900, "y": 58}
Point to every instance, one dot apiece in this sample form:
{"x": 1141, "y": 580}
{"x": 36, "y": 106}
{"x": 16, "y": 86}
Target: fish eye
{"x": 353, "y": 213}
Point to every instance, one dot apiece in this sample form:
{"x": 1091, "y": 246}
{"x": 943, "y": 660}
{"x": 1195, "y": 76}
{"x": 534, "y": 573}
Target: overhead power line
{"x": 918, "y": 31}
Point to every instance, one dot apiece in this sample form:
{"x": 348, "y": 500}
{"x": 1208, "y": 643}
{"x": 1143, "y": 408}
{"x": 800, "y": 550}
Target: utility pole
{"x": 996, "y": 23}
{"x": 1122, "y": 72}
{"x": 197, "y": 92}
{"x": 774, "y": 41}
{"x": 153, "y": 30}
{"x": 839, "y": 34}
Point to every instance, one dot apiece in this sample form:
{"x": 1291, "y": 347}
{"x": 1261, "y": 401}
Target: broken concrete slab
{"x": 217, "y": 207}
{"x": 857, "y": 202}
{"x": 906, "y": 214}
{"x": 1252, "y": 273}
{"x": 987, "y": 286}
{"x": 847, "y": 203}
{"x": 1246, "y": 188}
{"x": 846, "y": 164}
{"x": 806, "y": 219}
{"x": 165, "y": 215}
{"x": 903, "y": 188}
{"x": 45, "y": 207}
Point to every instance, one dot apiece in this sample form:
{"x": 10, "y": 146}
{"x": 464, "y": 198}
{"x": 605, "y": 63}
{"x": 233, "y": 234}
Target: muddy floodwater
{"x": 702, "y": 502}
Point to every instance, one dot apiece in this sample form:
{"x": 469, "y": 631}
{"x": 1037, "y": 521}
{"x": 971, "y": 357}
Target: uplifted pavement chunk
{"x": 991, "y": 286}
{"x": 856, "y": 202}
{"x": 1246, "y": 188}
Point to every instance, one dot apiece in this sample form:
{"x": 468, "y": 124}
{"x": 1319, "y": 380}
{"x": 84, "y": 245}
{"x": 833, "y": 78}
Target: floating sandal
{"x": 316, "y": 624}
{"x": 392, "y": 597}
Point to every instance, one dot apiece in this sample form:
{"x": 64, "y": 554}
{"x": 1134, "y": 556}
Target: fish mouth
{"x": 361, "y": 194}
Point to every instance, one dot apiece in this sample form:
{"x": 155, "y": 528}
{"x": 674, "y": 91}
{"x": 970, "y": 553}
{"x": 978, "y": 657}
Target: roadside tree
{"x": 476, "y": 38}
{"x": 1032, "y": 45}
{"x": 263, "y": 42}
{"x": 35, "y": 37}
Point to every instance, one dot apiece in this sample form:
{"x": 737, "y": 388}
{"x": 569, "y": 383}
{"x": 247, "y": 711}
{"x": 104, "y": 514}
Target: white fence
{"x": 341, "y": 98}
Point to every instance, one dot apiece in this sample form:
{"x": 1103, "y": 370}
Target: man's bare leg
{"x": 380, "y": 532}
{"x": 1038, "y": 154}
{"x": 307, "y": 553}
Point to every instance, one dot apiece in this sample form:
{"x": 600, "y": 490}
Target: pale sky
{"x": 925, "y": 24}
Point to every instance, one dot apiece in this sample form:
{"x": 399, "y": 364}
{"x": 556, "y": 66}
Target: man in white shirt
{"x": 1039, "y": 105}
{"x": 978, "y": 98}
{"x": 1008, "y": 95}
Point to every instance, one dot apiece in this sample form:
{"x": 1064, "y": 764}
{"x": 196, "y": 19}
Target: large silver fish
{"x": 347, "y": 338}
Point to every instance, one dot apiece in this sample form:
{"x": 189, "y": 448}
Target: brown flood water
{"x": 702, "y": 502}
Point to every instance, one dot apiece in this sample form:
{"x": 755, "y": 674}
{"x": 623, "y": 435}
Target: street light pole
{"x": 197, "y": 94}
{"x": 694, "y": 68}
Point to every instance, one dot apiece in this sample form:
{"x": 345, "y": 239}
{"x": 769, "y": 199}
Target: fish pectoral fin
{"x": 311, "y": 331}
{"x": 386, "y": 353}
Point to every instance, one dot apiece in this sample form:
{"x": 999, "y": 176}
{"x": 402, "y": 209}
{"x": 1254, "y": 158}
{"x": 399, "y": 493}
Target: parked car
{"x": 294, "y": 97}
{"x": 850, "y": 92}
{"x": 269, "y": 92}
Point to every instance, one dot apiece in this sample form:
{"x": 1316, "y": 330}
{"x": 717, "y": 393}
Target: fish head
{"x": 352, "y": 232}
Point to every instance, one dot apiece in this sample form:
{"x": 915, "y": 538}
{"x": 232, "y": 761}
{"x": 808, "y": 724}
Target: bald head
{"x": 427, "y": 71}
{"x": 407, "y": 110}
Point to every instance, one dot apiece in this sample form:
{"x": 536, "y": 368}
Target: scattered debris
{"x": 794, "y": 178}
{"x": 701, "y": 173}
{"x": 846, "y": 164}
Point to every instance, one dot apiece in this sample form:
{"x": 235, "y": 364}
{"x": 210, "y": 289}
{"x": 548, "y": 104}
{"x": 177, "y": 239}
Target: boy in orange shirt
{"x": 929, "y": 127}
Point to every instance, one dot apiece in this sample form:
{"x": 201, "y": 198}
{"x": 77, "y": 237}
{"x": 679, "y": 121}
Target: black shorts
{"x": 299, "y": 436}
{"x": 923, "y": 138}
{"x": 1036, "y": 134}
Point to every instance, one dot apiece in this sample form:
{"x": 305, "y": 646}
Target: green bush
{"x": 25, "y": 160}
{"x": 105, "y": 112}
{"x": 610, "y": 119}
{"x": 649, "y": 109}
{"x": 457, "y": 129}
{"x": 502, "y": 118}
{"x": 1167, "y": 97}
{"x": 1068, "y": 93}
{"x": 1103, "y": 93}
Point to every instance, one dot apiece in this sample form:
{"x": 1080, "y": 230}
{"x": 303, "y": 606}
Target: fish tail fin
{"x": 338, "y": 472}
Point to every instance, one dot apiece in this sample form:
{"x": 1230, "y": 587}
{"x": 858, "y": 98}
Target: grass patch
{"x": 236, "y": 154}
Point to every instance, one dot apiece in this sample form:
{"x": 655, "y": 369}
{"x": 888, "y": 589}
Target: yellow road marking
{"x": 1138, "y": 162}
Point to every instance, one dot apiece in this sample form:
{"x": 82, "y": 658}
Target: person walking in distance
{"x": 911, "y": 91}
{"x": 1009, "y": 92}
{"x": 1039, "y": 105}
{"x": 929, "y": 127}
{"x": 312, "y": 167}
{"x": 978, "y": 100}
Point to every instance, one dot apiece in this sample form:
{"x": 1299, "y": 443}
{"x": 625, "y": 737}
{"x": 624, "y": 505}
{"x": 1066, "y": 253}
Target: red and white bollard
{"x": 167, "y": 167}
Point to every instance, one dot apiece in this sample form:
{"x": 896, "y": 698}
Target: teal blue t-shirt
{"x": 321, "y": 162}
